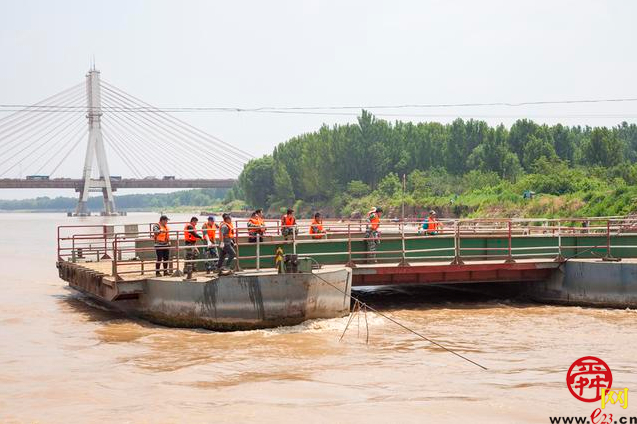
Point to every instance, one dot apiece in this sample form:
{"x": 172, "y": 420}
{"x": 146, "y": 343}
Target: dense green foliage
{"x": 464, "y": 165}
{"x": 200, "y": 197}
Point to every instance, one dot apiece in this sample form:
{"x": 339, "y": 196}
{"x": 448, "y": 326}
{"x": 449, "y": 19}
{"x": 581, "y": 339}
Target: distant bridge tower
{"x": 95, "y": 148}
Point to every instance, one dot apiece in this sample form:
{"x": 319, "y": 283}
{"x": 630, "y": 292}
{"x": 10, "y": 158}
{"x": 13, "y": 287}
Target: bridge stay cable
{"x": 165, "y": 120}
{"x": 182, "y": 124}
{"x": 32, "y": 123}
{"x": 70, "y": 141}
{"x": 49, "y": 100}
{"x": 144, "y": 136}
{"x": 144, "y": 152}
{"x": 110, "y": 142}
{"x": 155, "y": 124}
{"x": 36, "y": 132}
{"x": 129, "y": 149}
{"x": 171, "y": 136}
{"x": 28, "y": 118}
{"x": 68, "y": 153}
{"x": 34, "y": 147}
{"x": 52, "y": 151}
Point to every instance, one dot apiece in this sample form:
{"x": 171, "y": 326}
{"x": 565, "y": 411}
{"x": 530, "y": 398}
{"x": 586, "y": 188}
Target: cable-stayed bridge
{"x": 157, "y": 149}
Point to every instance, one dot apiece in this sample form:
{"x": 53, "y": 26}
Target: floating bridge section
{"x": 114, "y": 260}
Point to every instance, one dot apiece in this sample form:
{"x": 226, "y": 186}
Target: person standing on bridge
{"x": 255, "y": 228}
{"x": 226, "y": 241}
{"x": 161, "y": 235}
{"x": 431, "y": 225}
{"x": 190, "y": 237}
{"x": 372, "y": 233}
{"x": 316, "y": 227}
{"x": 259, "y": 213}
{"x": 209, "y": 230}
{"x": 288, "y": 225}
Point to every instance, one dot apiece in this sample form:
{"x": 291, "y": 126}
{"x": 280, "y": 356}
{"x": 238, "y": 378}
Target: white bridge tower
{"x": 95, "y": 148}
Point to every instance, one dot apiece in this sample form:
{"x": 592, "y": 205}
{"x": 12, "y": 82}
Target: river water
{"x": 65, "y": 360}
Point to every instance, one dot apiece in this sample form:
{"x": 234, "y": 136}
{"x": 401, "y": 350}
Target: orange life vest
{"x": 210, "y": 230}
{"x": 262, "y": 224}
{"x": 255, "y": 224}
{"x": 316, "y": 228}
{"x": 230, "y": 230}
{"x": 374, "y": 221}
{"x": 432, "y": 224}
{"x": 288, "y": 220}
{"x": 163, "y": 235}
{"x": 187, "y": 236}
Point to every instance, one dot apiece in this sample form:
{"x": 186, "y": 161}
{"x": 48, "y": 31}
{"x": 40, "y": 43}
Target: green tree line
{"x": 337, "y": 165}
{"x": 199, "y": 197}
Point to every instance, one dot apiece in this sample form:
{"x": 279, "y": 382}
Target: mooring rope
{"x": 366, "y": 306}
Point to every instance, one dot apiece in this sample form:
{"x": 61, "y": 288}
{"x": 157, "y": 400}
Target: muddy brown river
{"x": 65, "y": 360}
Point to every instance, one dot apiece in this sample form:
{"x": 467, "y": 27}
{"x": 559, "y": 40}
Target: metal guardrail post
{"x": 114, "y": 260}
{"x": 403, "y": 261}
{"x": 105, "y": 233}
{"x": 560, "y": 257}
{"x": 509, "y": 259}
{"x": 73, "y": 254}
{"x": 456, "y": 245}
{"x": 294, "y": 239}
{"x": 258, "y": 252}
{"x": 177, "y": 272}
{"x": 608, "y": 254}
{"x": 237, "y": 265}
{"x": 350, "y": 263}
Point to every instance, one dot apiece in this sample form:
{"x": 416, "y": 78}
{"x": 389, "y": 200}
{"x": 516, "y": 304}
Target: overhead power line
{"x": 148, "y": 108}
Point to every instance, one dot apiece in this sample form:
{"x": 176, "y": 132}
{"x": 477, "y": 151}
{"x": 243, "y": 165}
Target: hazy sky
{"x": 294, "y": 53}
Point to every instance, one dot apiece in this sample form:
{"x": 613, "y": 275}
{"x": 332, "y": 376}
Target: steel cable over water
{"x": 364, "y": 305}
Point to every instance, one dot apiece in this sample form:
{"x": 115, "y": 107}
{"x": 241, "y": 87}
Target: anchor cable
{"x": 403, "y": 326}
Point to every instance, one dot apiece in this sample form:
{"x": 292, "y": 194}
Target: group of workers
{"x": 210, "y": 232}
{"x": 226, "y": 238}
{"x": 224, "y": 233}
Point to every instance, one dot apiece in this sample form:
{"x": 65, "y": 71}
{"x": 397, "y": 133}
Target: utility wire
{"x": 339, "y": 107}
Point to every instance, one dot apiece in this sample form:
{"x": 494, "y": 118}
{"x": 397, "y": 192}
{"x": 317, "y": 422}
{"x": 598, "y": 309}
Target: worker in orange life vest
{"x": 288, "y": 224}
{"x": 161, "y": 235}
{"x": 226, "y": 242}
{"x": 209, "y": 231}
{"x": 432, "y": 225}
{"x": 316, "y": 227}
{"x": 255, "y": 228}
{"x": 259, "y": 213}
{"x": 372, "y": 234}
{"x": 191, "y": 237}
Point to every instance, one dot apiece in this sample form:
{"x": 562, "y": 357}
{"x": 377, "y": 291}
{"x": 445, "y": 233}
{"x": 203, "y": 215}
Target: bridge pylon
{"x": 95, "y": 150}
